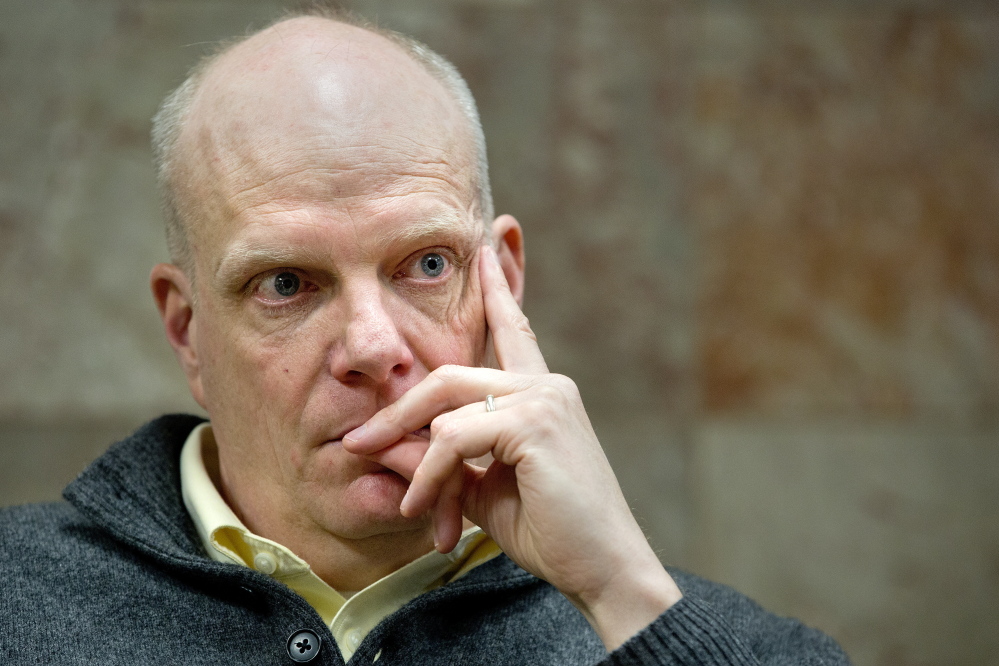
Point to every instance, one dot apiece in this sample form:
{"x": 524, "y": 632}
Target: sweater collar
{"x": 133, "y": 490}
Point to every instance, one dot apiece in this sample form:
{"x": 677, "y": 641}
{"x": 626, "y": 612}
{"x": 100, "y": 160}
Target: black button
{"x": 303, "y": 646}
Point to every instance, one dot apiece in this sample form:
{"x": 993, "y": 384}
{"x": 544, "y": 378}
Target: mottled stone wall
{"x": 762, "y": 237}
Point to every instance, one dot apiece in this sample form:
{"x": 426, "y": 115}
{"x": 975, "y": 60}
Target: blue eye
{"x": 432, "y": 264}
{"x": 287, "y": 284}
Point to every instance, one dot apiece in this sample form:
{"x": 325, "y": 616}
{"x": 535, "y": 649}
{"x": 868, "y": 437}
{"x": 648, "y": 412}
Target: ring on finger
{"x": 490, "y": 403}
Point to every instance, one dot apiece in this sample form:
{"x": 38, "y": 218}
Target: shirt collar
{"x": 227, "y": 539}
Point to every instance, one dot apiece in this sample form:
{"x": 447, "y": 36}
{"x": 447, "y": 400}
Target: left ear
{"x": 508, "y": 239}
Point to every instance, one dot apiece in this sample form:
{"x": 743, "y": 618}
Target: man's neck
{"x": 353, "y": 564}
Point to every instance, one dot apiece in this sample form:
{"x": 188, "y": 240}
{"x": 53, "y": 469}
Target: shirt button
{"x": 354, "y": 638}
{"x": 265, "y": 563}
{"x": 304, "y": 646}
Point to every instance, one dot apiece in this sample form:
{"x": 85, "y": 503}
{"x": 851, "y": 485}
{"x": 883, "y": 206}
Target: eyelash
{"x": 306, "y": 287}
{"x": 413, "y": 261}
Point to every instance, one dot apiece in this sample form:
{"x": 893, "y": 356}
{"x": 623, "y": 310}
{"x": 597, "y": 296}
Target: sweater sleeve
{"x": 721, "y": 626}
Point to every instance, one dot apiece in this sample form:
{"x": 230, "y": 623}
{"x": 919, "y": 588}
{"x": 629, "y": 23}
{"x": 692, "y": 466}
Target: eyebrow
{"x": 244, "y": 255}
{"x": 432, "y": 226}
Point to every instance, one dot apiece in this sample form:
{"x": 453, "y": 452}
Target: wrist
{"x": 629, "y": 601}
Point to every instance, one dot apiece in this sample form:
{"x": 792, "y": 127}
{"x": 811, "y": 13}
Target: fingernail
{"x": 356, "y": 434}
{"x": 405, "y": 503}
{"x": 437, "y": 538}
{"x": 491, "y": 253}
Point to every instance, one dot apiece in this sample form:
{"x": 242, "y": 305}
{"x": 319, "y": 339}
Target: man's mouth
{"x": 423, "y": 432}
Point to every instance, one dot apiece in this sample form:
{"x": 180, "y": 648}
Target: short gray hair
{"x": 172, "y": 114}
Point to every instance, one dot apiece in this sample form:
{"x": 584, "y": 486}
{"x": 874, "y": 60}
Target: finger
{"x": 513, "y": 340}
{"x": 403, "y": 457}
{"x": 457, "y": 441}
{"x": 446, "y": 388}
{"x": 447, "y": 513}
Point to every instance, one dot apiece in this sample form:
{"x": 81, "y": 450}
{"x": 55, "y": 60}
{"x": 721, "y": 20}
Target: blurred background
{"x": 762, "y": 237}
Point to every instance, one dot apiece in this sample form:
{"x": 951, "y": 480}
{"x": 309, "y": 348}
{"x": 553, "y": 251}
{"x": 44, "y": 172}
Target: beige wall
{"x": 762, "y": 237}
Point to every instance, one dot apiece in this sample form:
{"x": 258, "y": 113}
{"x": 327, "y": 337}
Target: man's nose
{"x": 372, "y": 345}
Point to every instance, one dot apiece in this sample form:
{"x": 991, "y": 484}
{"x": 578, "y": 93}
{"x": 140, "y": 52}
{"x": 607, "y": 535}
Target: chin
{"x": 371, "y": 507}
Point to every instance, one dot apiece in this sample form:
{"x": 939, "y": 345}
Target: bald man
{"x": 389, "y": 472}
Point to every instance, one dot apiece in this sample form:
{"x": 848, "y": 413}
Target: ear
{"x": 172, "y": 293}
{"x": 508, "y": 239}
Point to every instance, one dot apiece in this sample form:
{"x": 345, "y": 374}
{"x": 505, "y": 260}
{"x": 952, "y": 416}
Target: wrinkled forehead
{"x": 312, "y": 94}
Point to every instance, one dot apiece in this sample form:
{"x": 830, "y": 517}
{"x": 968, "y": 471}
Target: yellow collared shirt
{"x": 226, "y": 539}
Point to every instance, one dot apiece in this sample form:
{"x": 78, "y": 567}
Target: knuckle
{"x": 520, "y": 323}
{"x": 391, "y": 412}
{"x": 437, "y": 424}
{"x": 540, "y": 412}
{"x": 562, "y": 382}
{"x": 446, "y": 373}
{"x": 448, "y": 430}
{"x": 550, "y": 394}
{"x": 567, "y": 387}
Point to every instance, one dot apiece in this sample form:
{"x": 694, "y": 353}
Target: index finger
{"x": 514, "y": 342}
{"x": 446, "y": 388}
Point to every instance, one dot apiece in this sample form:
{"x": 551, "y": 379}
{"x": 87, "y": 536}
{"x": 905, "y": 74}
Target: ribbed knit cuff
{"x": 690, "y": 633}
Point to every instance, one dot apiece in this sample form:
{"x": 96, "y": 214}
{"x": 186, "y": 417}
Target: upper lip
{"x": 339, "y": 437}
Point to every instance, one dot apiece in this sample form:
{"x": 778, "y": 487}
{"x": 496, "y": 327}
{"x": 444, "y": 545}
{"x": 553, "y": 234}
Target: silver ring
{"x": 490, "y": 404}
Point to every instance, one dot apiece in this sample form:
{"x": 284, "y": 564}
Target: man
{"x": 346, "y": 310}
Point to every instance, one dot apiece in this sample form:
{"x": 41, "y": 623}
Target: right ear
{"x": 172, "y": 292}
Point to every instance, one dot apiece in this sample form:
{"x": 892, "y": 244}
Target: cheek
{"x": 221, "y": 371}
{"x": 445, "y": 327}
{"x": 458, "y": 339}
{"x": 470, "y": 329}
{"x": 284, "y": 369}
{"x": 468, "y": 326}
{"x": 254, "y": 374}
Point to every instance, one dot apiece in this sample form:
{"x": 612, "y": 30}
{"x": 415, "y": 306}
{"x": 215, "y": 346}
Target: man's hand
{"x": 549, "y": 497}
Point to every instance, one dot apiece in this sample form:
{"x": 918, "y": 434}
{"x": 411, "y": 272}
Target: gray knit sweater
{"x": 118, "y": 576}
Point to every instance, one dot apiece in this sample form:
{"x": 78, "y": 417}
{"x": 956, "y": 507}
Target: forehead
{"x": 314, "y": 115}
{"x": 359, "y": 203}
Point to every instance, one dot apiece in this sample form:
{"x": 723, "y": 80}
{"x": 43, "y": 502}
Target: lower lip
{"x": 371, "y": 477}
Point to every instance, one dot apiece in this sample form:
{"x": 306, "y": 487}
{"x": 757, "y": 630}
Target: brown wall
{"x": 762, "y": 237}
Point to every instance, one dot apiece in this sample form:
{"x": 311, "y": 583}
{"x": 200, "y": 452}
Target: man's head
{"x": 330, "y": 196}
{"x": 172, "y": 165}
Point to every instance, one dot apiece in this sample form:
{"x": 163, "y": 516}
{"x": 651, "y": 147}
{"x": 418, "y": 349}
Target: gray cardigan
{"x": 118, "y": 576}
